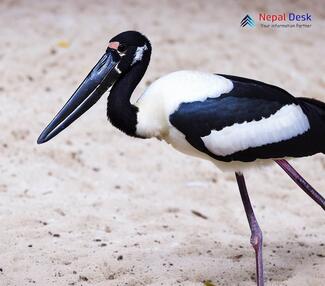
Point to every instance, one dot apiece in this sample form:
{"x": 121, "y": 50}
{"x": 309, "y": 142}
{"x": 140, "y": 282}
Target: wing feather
{"x": 243, "y": 110}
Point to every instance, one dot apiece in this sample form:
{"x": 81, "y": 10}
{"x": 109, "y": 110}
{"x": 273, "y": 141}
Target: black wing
{"x": 249, "y": 100}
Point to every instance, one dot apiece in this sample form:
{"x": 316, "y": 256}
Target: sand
{"x": 94, "y": 207}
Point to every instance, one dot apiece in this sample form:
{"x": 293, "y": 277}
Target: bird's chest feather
{"x": 166, "y": 94}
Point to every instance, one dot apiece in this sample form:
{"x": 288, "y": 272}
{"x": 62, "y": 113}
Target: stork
{"x": 231, "y": 121}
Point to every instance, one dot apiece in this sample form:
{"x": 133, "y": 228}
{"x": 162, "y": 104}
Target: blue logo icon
{"x": 247, "y": 21}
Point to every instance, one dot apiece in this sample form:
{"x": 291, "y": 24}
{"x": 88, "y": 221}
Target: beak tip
{"x": 41, "y": 139}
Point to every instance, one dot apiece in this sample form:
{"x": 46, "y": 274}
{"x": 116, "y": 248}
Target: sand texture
{"x": 95, "y": 207}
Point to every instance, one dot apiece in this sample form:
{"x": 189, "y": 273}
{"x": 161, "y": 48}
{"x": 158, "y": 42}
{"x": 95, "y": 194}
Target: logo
{"x": 247, "y": 20}
{"x": 282, "y": 20}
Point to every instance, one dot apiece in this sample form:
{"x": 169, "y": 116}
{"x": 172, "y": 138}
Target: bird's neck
{"x": 120, "y": 112}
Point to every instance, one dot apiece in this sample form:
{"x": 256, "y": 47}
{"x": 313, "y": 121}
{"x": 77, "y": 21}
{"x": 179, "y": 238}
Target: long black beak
{"x": 101, "y": 77}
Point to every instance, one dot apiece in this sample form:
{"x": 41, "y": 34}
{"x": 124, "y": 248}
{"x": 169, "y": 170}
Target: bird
{"x": 233, "y": 122}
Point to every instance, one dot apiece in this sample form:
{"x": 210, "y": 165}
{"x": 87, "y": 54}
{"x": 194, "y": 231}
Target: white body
{"x": 164, "y": 96}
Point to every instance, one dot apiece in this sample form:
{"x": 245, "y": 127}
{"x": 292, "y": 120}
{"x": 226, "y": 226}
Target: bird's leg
{"x": 301, "y": 182}
{"x": 256, "y": 233}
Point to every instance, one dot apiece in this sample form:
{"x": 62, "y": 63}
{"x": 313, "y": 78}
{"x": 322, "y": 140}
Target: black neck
{"x": 120, "y": 112}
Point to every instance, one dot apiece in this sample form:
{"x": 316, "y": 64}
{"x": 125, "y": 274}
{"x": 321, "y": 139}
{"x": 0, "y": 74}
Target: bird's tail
{"x": 313, "y": 107}
{"x": 315, "y": 111}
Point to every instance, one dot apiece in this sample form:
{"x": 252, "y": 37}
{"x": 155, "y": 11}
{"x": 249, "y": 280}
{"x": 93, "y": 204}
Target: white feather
{"x": 286, "y": 123}
{"x": 139, "y": 54}
{"x": 178, "y": 141}
{"x": 165, "y": 95}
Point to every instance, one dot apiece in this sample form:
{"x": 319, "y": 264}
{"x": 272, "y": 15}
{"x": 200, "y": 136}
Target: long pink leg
{"x": 301, "y": 182}
{"x": 256, "y": 233}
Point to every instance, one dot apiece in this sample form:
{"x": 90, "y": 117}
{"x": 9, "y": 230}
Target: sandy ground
{"x": 94, "y": 207}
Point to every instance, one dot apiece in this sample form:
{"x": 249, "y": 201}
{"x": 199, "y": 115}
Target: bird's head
{"x": 124, "y": 52}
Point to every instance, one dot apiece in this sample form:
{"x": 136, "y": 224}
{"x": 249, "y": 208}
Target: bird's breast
{"x": 167, "y": 93}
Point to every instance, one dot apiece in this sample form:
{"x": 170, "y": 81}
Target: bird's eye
{"x": 121, "y": 48}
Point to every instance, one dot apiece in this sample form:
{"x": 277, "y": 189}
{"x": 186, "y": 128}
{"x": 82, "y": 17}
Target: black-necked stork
{"x": 229, "y": 120}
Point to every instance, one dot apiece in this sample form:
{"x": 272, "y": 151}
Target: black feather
{"x": 250, "y": 100}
